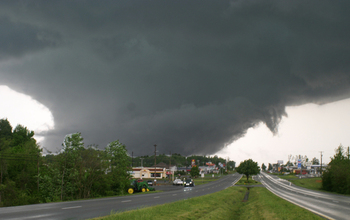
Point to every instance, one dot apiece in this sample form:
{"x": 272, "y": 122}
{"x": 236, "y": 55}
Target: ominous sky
{"x": 189, "y": 76}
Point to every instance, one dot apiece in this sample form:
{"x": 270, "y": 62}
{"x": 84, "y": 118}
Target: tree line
{"x": 76, "y": 172}
{"x": 175, "y": 159}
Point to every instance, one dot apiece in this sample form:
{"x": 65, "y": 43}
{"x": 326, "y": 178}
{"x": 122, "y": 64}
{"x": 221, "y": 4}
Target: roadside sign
{"x": 299, "y": 163}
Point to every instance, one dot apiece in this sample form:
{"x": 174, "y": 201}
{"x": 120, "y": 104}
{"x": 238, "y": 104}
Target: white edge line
{"x": 72, "y": 207}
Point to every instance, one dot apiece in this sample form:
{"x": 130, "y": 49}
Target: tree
{"x": 336, "y": 178}
{"x": 194, "y": 171}
{"x": 248, "y": 168}
{"x": 20, "y": 158}
{"x": 119, "y": 166}
{"x": 5, "y": 129}
{"x": 263, "y": 167}
{"x": 70, "y": 164}
{"x": 270, "y": 167}
{"x": 315, "y": 161}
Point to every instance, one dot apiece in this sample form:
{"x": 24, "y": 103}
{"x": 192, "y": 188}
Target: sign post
{"x": 299, "y": 166}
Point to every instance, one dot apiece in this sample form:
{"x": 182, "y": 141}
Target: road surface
{"x": 85, "y": 209}
{"x": 327, "y": 205}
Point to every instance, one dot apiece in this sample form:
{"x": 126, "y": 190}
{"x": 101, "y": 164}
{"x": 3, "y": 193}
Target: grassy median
{"x": 226, "y": 204}
{"x": 314, "y": 183}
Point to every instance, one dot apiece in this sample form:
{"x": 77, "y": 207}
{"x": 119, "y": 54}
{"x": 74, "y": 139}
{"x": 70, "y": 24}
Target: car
{"x": 178, "y": 182}
{"x": 188, "y": 182}
{"x": 150, "y": 182}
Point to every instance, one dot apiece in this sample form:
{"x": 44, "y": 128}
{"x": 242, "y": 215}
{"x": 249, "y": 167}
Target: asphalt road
{"x": 327, "y": 205}
{"x": 85, "y": 209}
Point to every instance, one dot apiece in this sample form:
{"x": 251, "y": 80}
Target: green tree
{"x": 5, "y": 129}
{"x": 315, "y": 161}
{"x": 263, "y": 167}
{"x": 119, "y": 166}
{"x": 20, "y": 158}
{"x": 336, "y": 178}
{"x": 194, "y": 171}
{"x": 70, "y": 164}
{"x": 248, "y": 168}
{"x": 270, "y": 167}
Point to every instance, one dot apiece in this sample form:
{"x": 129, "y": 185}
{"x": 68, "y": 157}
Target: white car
{"x": 178, "y": 182}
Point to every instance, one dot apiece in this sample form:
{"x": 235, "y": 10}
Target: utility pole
{"x": 132, "y": 159}
{"x": 155, "y": 163}
{"x": 321, "y": 161}
{"x": 170, "y": 165}
{"x": 142, "y": 161}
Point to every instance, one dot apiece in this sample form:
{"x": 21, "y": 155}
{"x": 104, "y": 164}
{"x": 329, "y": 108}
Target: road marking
{"x": 156, "y": 197}
{"x": 335, "y": 201}
{"x": 72, "y": 207}
{"x": 126, "y": 201}
{"x": 174, "y": 194}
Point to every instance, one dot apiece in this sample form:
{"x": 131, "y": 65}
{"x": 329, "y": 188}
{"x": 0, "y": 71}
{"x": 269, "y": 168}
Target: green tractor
{"x": 139, "y": 186}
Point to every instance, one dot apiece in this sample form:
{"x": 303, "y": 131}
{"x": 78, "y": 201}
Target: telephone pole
{"x": 170, "y": 166}
{"x": 321, "y": 161}
{"x": 155, "y": 163}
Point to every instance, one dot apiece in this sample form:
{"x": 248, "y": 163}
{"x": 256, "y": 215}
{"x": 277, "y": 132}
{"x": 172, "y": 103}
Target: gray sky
{"x": 189, "y": 76}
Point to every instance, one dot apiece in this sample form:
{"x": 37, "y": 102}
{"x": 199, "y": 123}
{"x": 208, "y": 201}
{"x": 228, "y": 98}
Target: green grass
{"x": 287, "y": 177}
{"x": 309, "y": 183}
{"x": 206, "y": 179}
{"x": 243, "y": 181}
{"x": 314, "y": 183}
{"x": 226, "y": 204}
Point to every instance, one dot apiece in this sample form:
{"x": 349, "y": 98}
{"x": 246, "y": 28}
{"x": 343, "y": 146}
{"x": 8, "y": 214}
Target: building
{"x": 148, "y": 172}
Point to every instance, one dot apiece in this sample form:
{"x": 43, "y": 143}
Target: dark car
{"x": 150, "y": 182}
{"x": 188, "y": 182}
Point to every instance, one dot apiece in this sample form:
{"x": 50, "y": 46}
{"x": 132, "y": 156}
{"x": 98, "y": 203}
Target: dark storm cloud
{"x": 188, "y": 76}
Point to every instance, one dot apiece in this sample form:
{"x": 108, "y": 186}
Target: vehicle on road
{"x": 150, "y": 182}
{"x": 188, "y": 182}
{"x": 178, "y": 182}
{"x": 136, "y": 186}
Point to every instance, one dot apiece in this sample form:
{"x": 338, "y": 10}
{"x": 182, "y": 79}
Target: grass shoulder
{"x": 226, "y": 204}
{"x": 313, "y": 183}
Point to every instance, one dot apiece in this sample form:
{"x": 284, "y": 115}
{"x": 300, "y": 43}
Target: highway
{"x": 327, "y": 205}
{"x": 91, "y": 208}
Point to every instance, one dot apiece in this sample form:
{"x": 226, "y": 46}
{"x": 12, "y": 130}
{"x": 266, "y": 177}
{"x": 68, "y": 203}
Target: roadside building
{"x": 148, "y": 172}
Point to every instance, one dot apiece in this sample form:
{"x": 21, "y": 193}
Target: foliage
{"x": 119, "y": 165}
{"x": 248, "y": 167}
{"x": 19, "y": 161}
{"x": 336, "y": 178}
{"x": 315, "y": 161}
{"x": 179, "y": 160}
{"x": 76, "y": 172}
{"x": 270, "y": 167}
{"x": 194, "y": 171}
{"x": 263, "y": 167}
